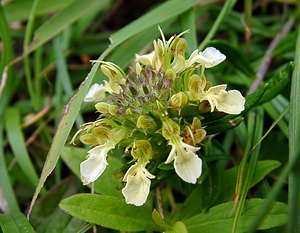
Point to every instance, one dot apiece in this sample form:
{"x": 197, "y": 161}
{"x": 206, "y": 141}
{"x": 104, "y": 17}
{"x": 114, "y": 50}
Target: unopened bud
{"x": 178, "y": 100}
{"x": 102, "y": 133}
{"x": 170, "y": 74}
{"x": 113, "y": 72}
{"x": 180, "y": 46}
{"x": 146, "y": 123}
{"x": 196, "y": 85}
{"x": 106, "y": 108}
{"x": 142, "y": 149}
{"x": 88, "y": 139}
{"x": 170, "y": 129}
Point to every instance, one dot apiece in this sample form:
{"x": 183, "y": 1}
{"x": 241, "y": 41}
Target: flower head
{"x": 158, "y": 103}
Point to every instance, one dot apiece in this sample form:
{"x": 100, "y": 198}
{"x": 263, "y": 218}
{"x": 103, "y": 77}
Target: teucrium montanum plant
{"x": 144, "y": 112}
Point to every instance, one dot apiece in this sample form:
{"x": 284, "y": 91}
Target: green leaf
{"x": 107, "y": 183}
{"x": 108, "y": 211}
{"x": 276, "y": 84}
{"x": 161, "y": 13}
{"x": 253, "y": 99}
{"x": 17, "y": 143}
{"x": 6, "y": 56}
{"x": 228, "y": 177}
{"x": 294, "y": 148}
{"x": 5, "y": 185}
{"x": 62, "y": 20}
{"x": 46, "y": 214}
{"x": 15, "y": 223}
{"x": 19, "y": 10}
{"x": 159, "y": 221}
{"x": 218, "y": 218}
{"x": 234, "y": 56}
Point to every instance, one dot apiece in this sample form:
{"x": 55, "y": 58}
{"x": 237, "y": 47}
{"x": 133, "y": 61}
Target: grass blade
{"x": 5, "y": 186}
{"x": 17, "y": 143}
{"x": 294, "y": 137}
{"x": 16, "y": 223}
{"x": 6, "y": 57}
{"x": 63, "y": 19}
{"x": 294, "y": 155}
{"x": 19, "y": 10}
{"x": 161, "y": 13}
{"x": 225, "y": 10}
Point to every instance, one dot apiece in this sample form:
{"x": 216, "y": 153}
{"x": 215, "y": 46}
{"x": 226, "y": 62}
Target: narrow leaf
{"x": 276, "y": 83}
{"x": 294, "y": 137}
{"x": 5, "y": 185}
{"x": 63, "y": 19}
{"x": 17, "y": 143}
{"x": 15, "y": 223}
{"x": 19, "y": 10}
{"x": 161, "y": 13}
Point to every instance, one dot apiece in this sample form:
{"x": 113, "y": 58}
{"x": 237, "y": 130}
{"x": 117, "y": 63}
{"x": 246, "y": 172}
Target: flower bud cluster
{"x": 143, "y": 110}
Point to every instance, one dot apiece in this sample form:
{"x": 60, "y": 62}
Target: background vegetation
{"x": 45, "y": 50}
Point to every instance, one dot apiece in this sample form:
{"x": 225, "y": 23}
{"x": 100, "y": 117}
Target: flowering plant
{"x": 154, "y": 113}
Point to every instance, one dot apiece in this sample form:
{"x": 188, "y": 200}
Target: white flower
{"x": 95, "y": 164}
{"x": 231, "y": 102}
{"x": 187, "y": 164}
{"x": 138, "y": 184}
{"x": 210, "y": 57}
{"x": 97, "y": 92}
{"x": 146, "y": 59}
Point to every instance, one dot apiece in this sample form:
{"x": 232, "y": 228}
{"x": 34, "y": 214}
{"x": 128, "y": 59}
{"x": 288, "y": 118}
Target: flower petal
{"x": 146, "y": 59}
{"x": 231, "y": 102}
{"x": 138, "y": 184}
{"x": 96, "y": 93}
{"x": 172, "y": 154}
{"x": 136, "y": 190}
{"x": 94, "y": 166}
{"x": 193, "y": 58}
{"x": 211, "y": 57}
{"x": 188, "y": 166}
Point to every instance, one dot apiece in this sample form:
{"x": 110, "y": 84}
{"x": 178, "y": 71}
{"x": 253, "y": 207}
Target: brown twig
{"x": 159, "y": 202}
{"x": 268, "y": 55}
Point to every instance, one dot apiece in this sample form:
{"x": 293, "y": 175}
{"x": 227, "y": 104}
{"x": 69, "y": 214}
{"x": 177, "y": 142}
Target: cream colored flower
{"x": 187, "y": 164}
{"x": 210, "y": 57}
{"x": 97, "y": 92}
{"x": 138, "y": 183}
{"x": 146, "y": 59}
{"x": 231, "y": 102}
{"x": 95, "y": 164}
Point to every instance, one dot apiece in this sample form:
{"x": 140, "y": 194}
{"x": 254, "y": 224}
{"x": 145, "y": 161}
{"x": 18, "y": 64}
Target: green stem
{"x": 225, "y": 10}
